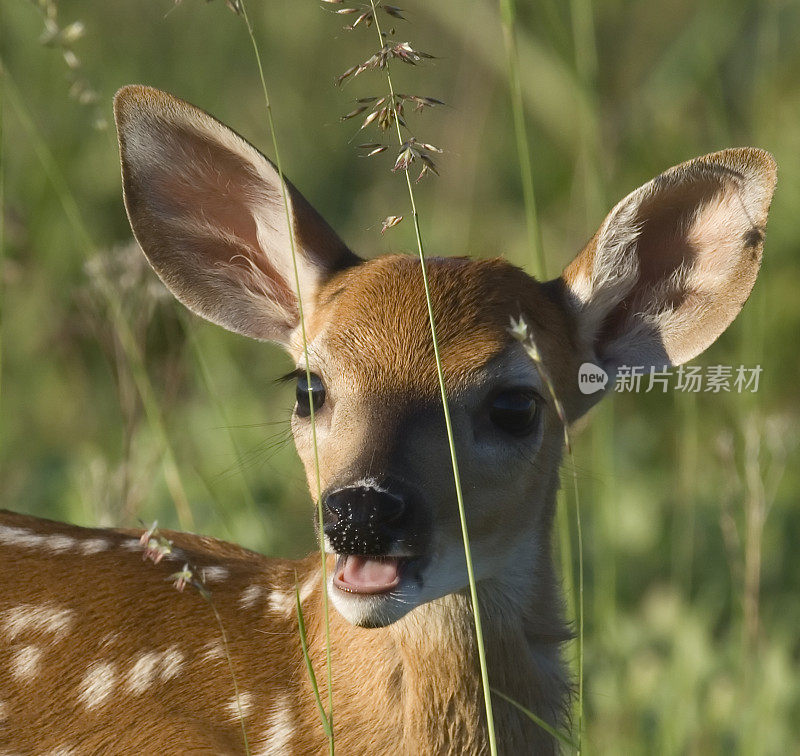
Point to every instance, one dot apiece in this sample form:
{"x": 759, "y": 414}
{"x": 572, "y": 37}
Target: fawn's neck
{"x": 443, "y": 704}
{"x": 421, "y": 675}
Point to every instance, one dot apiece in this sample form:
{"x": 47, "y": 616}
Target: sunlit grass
{"x": 327, "y": 724}
{"x": 473, "y": 590}
{"x": 508, "y": 16}
{"x": 574, "y": 592}
{"x": 326, "y": 717}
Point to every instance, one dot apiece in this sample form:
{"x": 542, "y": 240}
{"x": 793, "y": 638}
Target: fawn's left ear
{"x": 674, "y": 262}
{"x": 207, "y": 208}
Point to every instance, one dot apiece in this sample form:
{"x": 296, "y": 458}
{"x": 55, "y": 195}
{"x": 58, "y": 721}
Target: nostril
{"x": 336, "y": 505}
{"x": 391, "y": 507}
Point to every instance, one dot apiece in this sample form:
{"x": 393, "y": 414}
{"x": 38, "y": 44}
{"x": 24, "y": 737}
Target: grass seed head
{"x": 389, "y": 222}
{"x": 388, "y": 112}
{"x": 64, "y": 38}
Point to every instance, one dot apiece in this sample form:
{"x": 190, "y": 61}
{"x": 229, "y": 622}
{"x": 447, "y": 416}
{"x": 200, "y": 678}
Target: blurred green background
{"x": 691, "y": 528}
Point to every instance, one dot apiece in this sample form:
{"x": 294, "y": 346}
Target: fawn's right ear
{"x": 207, "y": 209}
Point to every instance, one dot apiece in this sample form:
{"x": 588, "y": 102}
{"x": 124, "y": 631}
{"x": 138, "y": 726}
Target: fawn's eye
{"x": 317, "y": 394}
{"x": 514, "y": 411}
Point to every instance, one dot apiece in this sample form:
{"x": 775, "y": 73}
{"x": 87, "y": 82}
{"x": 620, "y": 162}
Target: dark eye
{"x": 514, "y": 411}
{"x": 303, "y": 408}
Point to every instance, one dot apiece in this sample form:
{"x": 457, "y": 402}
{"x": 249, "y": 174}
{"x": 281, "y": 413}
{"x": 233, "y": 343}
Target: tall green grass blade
{"x": 324, "y": 567}
{"x": 208, "y": 382}
{"x": 583, "y": 39}
{"x": 487, "y": 696}
{"x": 240, "y": 714}
{"x": 508, "y": 14}
{"x": 604, "y": 515}
{"x": 522, "y": 333}
{"x": 301, "y": 627}
{"x": 687, "y": 449}
{"x": 579, "y": 532}
{"x": 582, "y": 16}
{"x": 565, "y": 552}
{"x": 559, "y": 736}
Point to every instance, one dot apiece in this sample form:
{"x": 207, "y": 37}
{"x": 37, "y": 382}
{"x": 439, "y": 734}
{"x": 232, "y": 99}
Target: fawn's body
{"x": 99, "y": 654}
{"x": 157, "y": 680}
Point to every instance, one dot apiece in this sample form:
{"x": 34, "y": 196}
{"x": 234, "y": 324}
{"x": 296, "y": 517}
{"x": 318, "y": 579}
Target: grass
{"x": 327, "y": 718}
{"x": 523, "y": 334}
{"x": 129, "y": 346}
{"x": 327, "y": 723}
{"x": 664, "y": 616}
{"x": 156, "y": 547}
{"x": 240, "y": 715}
{"x": 508, "y": 17}
{"x": 575, "y": 593}
{"x": 560, "y": 737}
{"x": 473, "y": 590}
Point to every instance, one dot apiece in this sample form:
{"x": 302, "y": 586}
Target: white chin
{"x": 378, "y": 609}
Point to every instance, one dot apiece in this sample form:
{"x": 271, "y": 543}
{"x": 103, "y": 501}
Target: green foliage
{"x": 684, "y": 652}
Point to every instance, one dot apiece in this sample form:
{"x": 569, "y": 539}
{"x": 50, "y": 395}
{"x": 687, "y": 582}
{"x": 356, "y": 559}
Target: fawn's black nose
{"x": 364, "y": 520}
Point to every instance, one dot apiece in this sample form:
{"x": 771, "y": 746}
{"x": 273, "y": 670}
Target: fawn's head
{"x": 667, "y": 271}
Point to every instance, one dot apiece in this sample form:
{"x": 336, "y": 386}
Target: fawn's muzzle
{"x": 365, "y": 519}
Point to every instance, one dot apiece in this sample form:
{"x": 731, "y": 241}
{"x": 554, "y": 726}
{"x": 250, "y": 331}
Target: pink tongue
{"x": 369, "y": 574}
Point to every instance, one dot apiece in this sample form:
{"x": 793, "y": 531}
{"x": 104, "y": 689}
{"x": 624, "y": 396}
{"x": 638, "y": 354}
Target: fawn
{"x": 98, "y": 652}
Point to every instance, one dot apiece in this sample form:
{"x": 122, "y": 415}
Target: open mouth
{"x": 369, "y": 574}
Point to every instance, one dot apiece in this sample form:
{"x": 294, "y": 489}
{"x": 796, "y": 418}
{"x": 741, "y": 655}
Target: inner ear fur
{"x": 208, "y": 210}
{"x": 674, "y": 262}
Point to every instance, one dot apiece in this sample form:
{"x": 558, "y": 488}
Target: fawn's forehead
{"x": 373, "y": 321}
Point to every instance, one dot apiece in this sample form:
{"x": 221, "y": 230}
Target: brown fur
{"x": 410, "y": 688}
{"x": 389, "y": 347}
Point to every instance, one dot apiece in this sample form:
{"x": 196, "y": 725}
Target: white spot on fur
{"x": 143, "y": 673}
{"x": 213, "y": 650}
{"x": 98, "y": 684}
{"x": 131, "y": 544}
{"x": 151, "y": 666}
{"x": 63, "y": 750}
{"x": 27, "y": 539}
{"x": 279, "y": 730}
{"x": 282, "y": 601}
{"x": 59, "y": 543}
{"x": 21, "y": 537}
{"x": 45, "y": 618}
{"x": 241, "y": 706}
{"x": 214, "y": 574}
{"x": 285, "y": 601}
{"x": 25, "y": 663}
{"x": 171, "y": 663}
{"x": 110, "y": 639}
{"x": 251, "y": 596}
{"x": 308, "y": 588}
{"x": 93, "y": 546}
